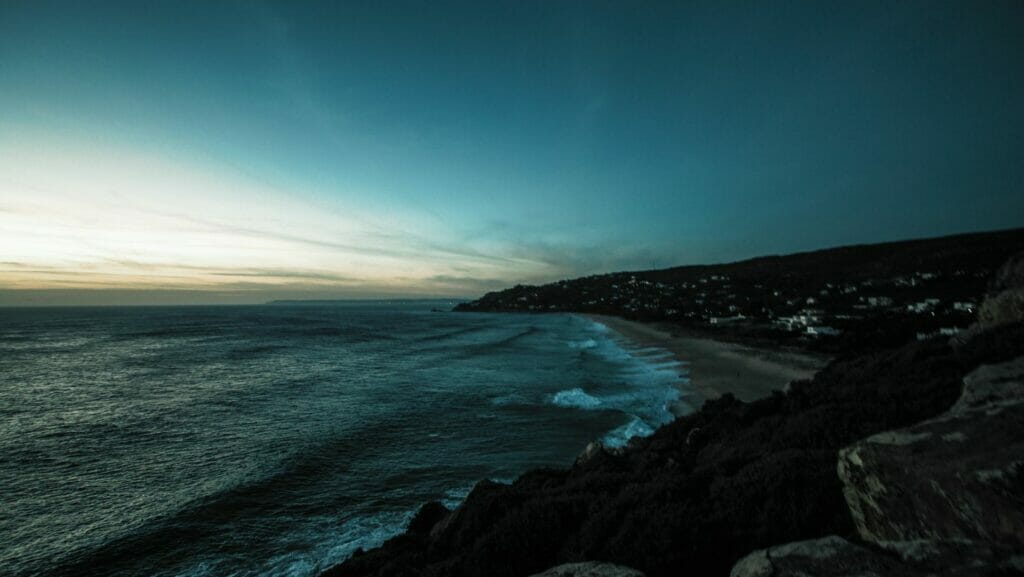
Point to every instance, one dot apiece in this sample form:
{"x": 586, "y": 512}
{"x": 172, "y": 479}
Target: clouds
{"x": 354, "y": 149}
{"x": 79, "y": 217}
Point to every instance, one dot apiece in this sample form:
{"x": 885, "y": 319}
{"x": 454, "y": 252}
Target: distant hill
{"x": 358, "y": 302}
{"x": 853, "y": 295}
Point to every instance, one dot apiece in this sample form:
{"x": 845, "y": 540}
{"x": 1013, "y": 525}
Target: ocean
{"x": 278, "y": 439}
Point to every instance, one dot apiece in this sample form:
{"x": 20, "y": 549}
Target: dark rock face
{"x": 836, "y": 557}
{"x": 827, "y": 557}
{"x": 943, "y": 496}
{"x": 1009, "y": 276}
{"x": 1005, "y": 302}
{"x": 709, "y": 488}
{"x": 959, "y": 476}
{"x": 591, "y": 569}
{"x": 427, "y": 518}
{"x": 1004, "y": 307}
{"x": 967, "y": 558}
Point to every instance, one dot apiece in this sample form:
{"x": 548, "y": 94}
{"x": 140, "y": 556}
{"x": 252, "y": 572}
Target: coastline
{"x": 715, "y": 368}
{"x": 780, "y": 483}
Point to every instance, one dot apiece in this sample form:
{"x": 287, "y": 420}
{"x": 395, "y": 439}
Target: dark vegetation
{"x": 872, "y": 296}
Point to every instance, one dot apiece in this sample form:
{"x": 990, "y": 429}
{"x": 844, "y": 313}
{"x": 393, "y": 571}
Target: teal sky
{"x": 244, "y": 151}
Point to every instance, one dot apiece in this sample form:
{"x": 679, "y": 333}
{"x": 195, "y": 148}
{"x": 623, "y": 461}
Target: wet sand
{"x": 715, "y": 367}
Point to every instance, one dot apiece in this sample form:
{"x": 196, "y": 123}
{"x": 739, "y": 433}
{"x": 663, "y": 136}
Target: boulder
{"x": 593, "y": 449}
{"x": 836, "y": 557}
{"x": 957, "y": 477}
{"x": 590, "y": 569}
{"x": 942, "y": 497}
{"x": 959, "y": 558}
{"x": 1005, "y": 301}
{"x": 1003, "y": 308}
{"x": 991, "y": 387}
{"x": 1002, "y": 305}
{"x": 1009, "y": 276}
{"x": 828, "y": 557}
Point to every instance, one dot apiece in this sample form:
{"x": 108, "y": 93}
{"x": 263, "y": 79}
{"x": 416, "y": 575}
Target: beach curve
{"x": 714, "y": 367}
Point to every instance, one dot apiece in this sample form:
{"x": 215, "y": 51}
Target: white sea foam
{"x": 636, "y": 427}
{"x": 576, "y": 398}
{"x": 644, "y": 384}
{"x": 365, "y": 532}
{"x": 454, "y": 497}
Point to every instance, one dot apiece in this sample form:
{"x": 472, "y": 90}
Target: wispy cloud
{"x": 290, "y": 274}
{"x": 468, "y": 284}
{"x": 105, "y": 219}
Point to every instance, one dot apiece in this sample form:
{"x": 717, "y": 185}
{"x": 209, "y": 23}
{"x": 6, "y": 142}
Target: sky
{"x": 239, "y": 152}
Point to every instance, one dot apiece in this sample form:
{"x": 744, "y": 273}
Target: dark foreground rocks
{"x": 827, "y": 557}
{"x": 837, "y": 557}
{"x": 941, "y": 497}
{"x": 957, "y": 477}
{"x": 706, "y": 490}
{"x": 1005, "y": 303}
{"x": 944, "y": 496}
{"x": 590, "y": 569}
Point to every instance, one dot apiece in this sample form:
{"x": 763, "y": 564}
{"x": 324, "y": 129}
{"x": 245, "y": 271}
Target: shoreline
{"x": 714, "y": 368}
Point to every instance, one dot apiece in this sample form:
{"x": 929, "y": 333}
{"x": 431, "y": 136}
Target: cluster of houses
{"x": 925, "y": 306}
{"x": 808, "y": 321}
{"x": 845, "y": 302}
{"x": 875, "y": 302}
{"x": 825, "y": 310}
{"x": 717, "y": 302}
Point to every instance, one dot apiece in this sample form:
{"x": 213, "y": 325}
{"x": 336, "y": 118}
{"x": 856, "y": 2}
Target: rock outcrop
{"x": 959, "y": 476}
{"x": 836, "y": 557}
{"x": 1009, "y": 276}
{"x": 944, "y": 496}
{"x": 1005, "y": 307}
{"x": 1005, "y": 300}
{"x": 827, "y": 557}
{"x": 590, "y": 569}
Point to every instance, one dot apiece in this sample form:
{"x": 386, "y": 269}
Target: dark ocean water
{"x": 275, "y": 440}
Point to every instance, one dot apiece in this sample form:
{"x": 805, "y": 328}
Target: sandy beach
{"x": 715, "y": 367}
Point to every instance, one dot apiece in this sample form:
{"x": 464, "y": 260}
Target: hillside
{"x": 839, "y": 299}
